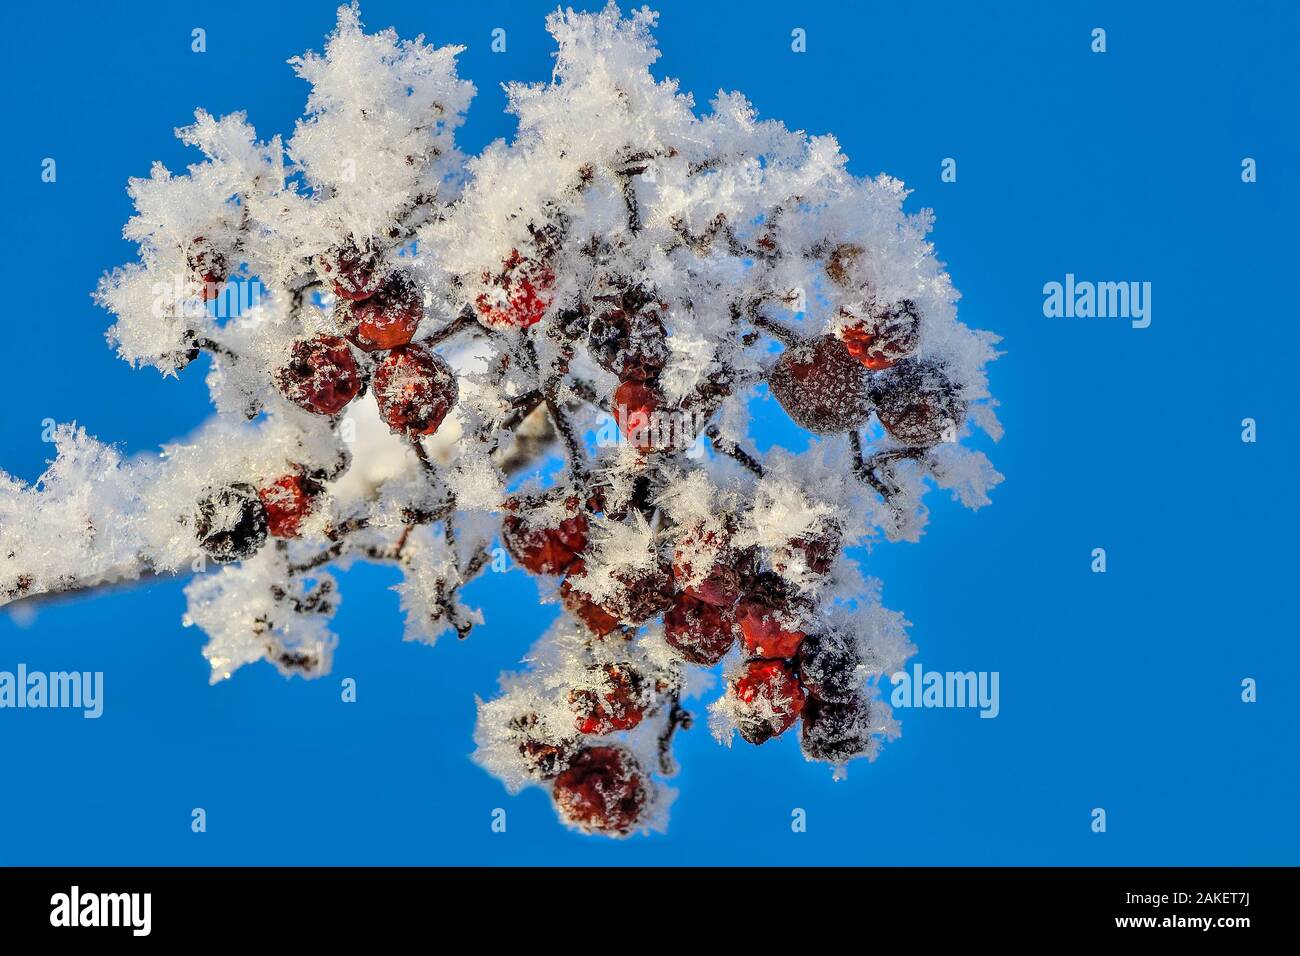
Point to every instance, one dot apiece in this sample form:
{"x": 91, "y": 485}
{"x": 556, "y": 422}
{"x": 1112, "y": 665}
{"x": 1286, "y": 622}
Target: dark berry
{"x": 766, "y": 700}
{"x": 414, "y": 389}
{"x": 353, "y": 271}
{"x": 884, "y": 338}
{"x": 822, "y": 387}
{"x": 625, "y": 334}
{"x": 917, "y": 402}
{"x": 602, "y": 791}
{"x": 288, "y": 500}
{"x": 828, "y": 666}
{"x": 518, "y": 295}
{"x": 386, "y": 320}
{"x": 836, "y": 731}
{"x": 230, "y": 522}
{"x": 841, "y": 264}
{"x": 700, "y": 632}
{"x": 545, "y": 755}
{"x": 617, "y": 701}
{"x": 321, "y": 375}
{"x": 771, "y": 618}
{"x": 538, "y": 538}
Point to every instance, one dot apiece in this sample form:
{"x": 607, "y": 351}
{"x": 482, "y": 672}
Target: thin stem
{"x": 678, "y": 717}
{"x": 783, "y": 333}
{"x": 734, "y": 451}
{"x": 573, "y": 449}
{"x": 461, "y": 322}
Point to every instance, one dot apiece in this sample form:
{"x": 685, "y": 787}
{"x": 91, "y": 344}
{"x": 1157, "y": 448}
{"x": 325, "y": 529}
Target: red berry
{"x": 822, "y": 387}
{"x": 884, "y": 338}
{"x": 386, "y": 320}
{"x": 699, "y": 632}
{"x": 771, "y": 618}
{"x": 208, "y": 267}
{"x": 537, "y": 538}
{"x": 639, "y": 595}
{"x": 288, "y": 500}
{"x": 321, "y": 375}
{"x": 617, "y": 701}
{"x": 353, "y": 271}
{"x": 602, "y": 791}
{"x": 518, "y": 295}
{"x": 647, "y": 426}
{"x": 699, "y": 548}
{"x": 414, "y": 389}
{"x": 917, "y": 403}
{"x": 766, "y": 700}
{"x": 599, "y": 621}
{"x": 815, "y": 551}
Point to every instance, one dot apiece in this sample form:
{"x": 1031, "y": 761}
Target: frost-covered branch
{"x": 624, "y": 279}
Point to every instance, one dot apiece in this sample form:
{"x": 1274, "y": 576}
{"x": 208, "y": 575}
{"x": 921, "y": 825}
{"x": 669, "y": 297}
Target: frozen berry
{"x": 208, "y": 267}
{"x": 645, "y": 424}
{"x": 842, "y": 264}
{"x": 765, "y": 699}
{"x": 599, "y": 621}
{"x": 771, "y": 618}
{"x": 321, "y": 375}
{"x": 885, "y": 337}
{"x": 414, "y": 389}
{"x": 626, "y": 332}
{"x": 635, "y": 596}
{"x": 821, "y": 386}
{"x": 230, "y": 522}
{"x": 602, "y": 791}
{"x": 545, "y": 533}
{"x": 917, "y": 402}
{"x": 814, "y": 551}
{"x": 518, "y": 295}
{"x": 353, "y": 270}
{"x": 616, "y": 700}
{"x": 701, "y": 633}
{"x": 836, "y": 731}
{"x": 386, "y": 320}
{"x": 828, "y": 667}
{"x": 288, "y": 500}
{"x": 545, "y": 754}
{"x": 708, "y": 567}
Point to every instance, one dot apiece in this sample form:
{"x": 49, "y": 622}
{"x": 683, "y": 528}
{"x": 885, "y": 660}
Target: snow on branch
{"x": 605, "y": 301}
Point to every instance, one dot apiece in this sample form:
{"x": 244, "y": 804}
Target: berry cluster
{"x": 620, "y": 289}
{"x": 414, "y": 387}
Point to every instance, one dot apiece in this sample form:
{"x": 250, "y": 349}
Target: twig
{"x": 573, "y": 448}
{"x": 732, "y": 450}
{"x": 678, "y": 717}
{"x": 463, "y": 321}
{"x": 783, "y": 333}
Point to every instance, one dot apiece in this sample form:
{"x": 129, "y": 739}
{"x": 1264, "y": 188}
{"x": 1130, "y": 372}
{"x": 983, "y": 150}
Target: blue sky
{"x": 1118, "y": 690}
